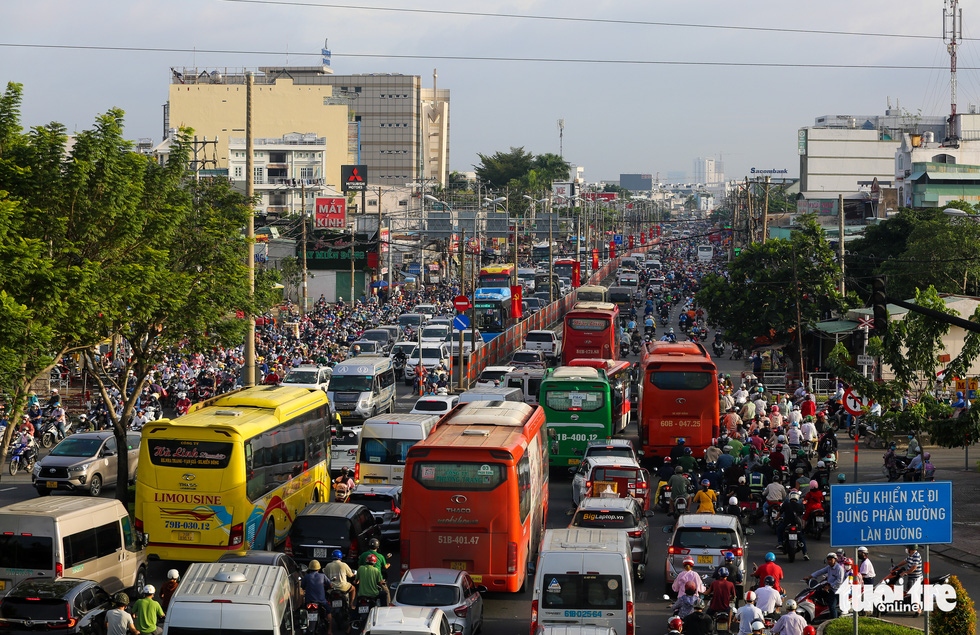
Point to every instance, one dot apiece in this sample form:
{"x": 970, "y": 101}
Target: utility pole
{"x": 306, "y": 293}
{"x": 749, "y": 218}
{"x": 381, "y": 246}
{"x": 765, "y": 214}
{"x": 840, "y": 242}
{"x": 249, "y": 379}
{"x": 551, "y": 249}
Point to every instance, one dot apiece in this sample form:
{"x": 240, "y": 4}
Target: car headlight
{"x": 36, "y": 471}
{"x": 362, "y": 404}
{"x": 78, "y": 469}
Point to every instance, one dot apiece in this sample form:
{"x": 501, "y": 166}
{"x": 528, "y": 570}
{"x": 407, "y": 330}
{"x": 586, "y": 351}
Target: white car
{"x": 435, "y": 332}
{"x": 435, "y": 404}
{"x": 428, "y": 311}
{"x": 433, "y": 354}
{"x": 492, "y": 375}
{"x": 453, "y": 340}
{"x": 367, "y": 347}
{"x": 308, "y": 376}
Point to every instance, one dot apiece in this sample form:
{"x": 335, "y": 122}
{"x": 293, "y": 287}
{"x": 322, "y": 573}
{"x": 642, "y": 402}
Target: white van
{"x": 384, "y": 445}
{"x": 229, "y": 598}
{"x": 584, "y": 577}
{"x": 66, "y": 535}
{"x": 496, "y": 393}
{"x": 406, "y": 620}
{"x": 528, "y": 380}
{"x": 362, "y": 387}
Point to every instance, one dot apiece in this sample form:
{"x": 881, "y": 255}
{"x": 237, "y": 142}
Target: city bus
{"x": 705, "y": 253}
{"x": 496, "y": 276}
{"x": 592, "y": 293}
{"x": 678, "y": 398}
{"x": 475, "y": 495}
{"x": 591, "y": 331}
{"x": 563, "y": 267}
{"x": 580, "y": 405}
{"x": 541, "y": 252}
{"x": 493, "y": 311}
{"x": 619, "y": 373}
{"x": 232, "y": 475}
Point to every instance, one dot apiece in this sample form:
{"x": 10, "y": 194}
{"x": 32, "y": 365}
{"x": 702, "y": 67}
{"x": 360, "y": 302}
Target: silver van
{"x": 584, "y": 577}
{"x": 528, "y": 380}
{"x": 228, "y": 598}
{"x": 384, "y": 445}
{"x": 497, "y": 393}
{"x": 64, "y": 535}
{"x": 362, "y": 387}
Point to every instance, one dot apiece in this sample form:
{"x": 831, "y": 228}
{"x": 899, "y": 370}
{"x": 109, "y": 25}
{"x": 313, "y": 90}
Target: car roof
{"x": 596, "y": 503}
{"x": 618, "y": 461}
{"x": 598, "y": 443}
{"x": 725, "y": 521}
{"x": 432, "y": 575}
{"x": 102, "y": 435}
{"x": 445, "y": 398}
{"x": 48, "y": 587}
{"x": 507, "y": 368}
{"x": 307, "y": 367}
{"x": 380, "y": 490}
{"x": 252, "y": 556}
{"x": 341, "y": 510}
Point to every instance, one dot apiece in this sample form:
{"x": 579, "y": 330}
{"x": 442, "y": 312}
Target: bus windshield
{"x": 468, "y": 477}
{"x": 351, "y": 383}
{"x": 588, "y": 324}
{"x": 386, "y": 451}
{"x": 681, "y": 380}
{"x": 574, "y": 400}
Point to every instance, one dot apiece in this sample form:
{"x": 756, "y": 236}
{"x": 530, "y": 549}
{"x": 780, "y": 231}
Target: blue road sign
{"x": 891, "y": 514}
{"x": 618, "y": 239}
{"x": 461, "y": 322}
{"x": 414, "y": 268}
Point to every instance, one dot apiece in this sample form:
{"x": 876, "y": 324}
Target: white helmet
{"x": 821, "y": 464}
{"x": 173, "y": 574}
{"x": 733, "y": 500}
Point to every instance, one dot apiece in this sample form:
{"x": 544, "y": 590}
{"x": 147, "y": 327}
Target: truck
{"x": 545, "y": 341}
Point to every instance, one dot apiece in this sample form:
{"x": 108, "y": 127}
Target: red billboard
{"x": 331, "y": 213}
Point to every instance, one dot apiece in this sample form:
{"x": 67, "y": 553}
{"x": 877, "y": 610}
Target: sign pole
{"x": 925, "y": 581}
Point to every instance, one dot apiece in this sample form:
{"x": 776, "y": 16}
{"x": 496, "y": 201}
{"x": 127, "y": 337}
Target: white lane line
{"x": 7, "y": 489}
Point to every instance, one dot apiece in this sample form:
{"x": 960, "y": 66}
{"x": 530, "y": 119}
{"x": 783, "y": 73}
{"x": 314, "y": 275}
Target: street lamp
{"x": 452, "y": 227}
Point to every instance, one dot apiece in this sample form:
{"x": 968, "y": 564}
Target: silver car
{"x": 448, "y": 589}
{"x": 84, "y": 462}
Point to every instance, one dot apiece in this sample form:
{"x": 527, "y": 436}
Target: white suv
{"x": 433, "y": 354}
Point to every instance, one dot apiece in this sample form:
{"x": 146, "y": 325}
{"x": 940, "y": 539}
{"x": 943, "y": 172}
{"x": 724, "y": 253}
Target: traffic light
{"x": 878, "y": 302}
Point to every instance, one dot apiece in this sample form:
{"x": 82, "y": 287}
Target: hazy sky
{"x": 714, "y": 78}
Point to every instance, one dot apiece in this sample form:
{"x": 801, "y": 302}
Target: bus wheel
{"x": 270, "y": 536}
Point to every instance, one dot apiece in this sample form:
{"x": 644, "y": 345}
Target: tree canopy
{"x": 521, "y": 171}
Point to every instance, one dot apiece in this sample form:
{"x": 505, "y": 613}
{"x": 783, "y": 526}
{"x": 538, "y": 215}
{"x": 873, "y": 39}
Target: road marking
{"x": 7, "y": 489}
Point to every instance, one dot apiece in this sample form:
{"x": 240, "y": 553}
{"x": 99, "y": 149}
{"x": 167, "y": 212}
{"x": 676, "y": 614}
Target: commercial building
{"x": 931, "y": 173}
{"x": 388, "y": 122}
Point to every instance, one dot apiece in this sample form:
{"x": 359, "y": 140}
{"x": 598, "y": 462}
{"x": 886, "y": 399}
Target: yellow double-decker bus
{"x": 232, "y": 475}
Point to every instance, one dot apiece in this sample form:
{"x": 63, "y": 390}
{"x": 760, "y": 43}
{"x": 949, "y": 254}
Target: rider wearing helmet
{"x": 769, "y": 569}
{"x": 791, "y": 622}
{"x": 371, "y": 581}
{"x": 734, "y": 574}
{"x": 168, "y": 588}
{"x": 813, "y": 501}
{"x": 768, "y": 599}
{"x": 314, "y": 584}
{"x": 704, "y": 501}
{"x": 677, "y": 451}
{"x": 749, "y": 613}
{"x": 675, "y": 624}
{"x": 339, "y": 574}
{"x": 698, "y": 623}
{"x": 373, "y": 546}
{"x": 684, "y": 605}
{"x": 792, "y": 512}
{"x": 721, "y": 592}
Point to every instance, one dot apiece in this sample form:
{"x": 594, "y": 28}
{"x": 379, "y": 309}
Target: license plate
{"x": 705, "y": 560}
{"x": 337, "y": 604}
{"x": 345, "y": 413}
{"x": 373, "y": 479}
{"x": 363, "y": 609}
{"x": 792, "y": 536}
{"x": 51, "y": 484}
{"x": 820, "y": 519}
{"x": 312, "y": 616}
{"x": 574, "y": 461}
{"x": 320, "y": 553}
{"x": 3, "y": 585}
{"x": 186, "y": 536}
{"x": 457, "y": 565}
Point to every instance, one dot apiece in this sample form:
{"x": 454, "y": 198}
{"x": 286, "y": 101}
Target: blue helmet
{"x": 337, "y": 554}
{"x": 729, "y": 556}
{"x": 770, "y": 557}
{"x": 723, "y": 572}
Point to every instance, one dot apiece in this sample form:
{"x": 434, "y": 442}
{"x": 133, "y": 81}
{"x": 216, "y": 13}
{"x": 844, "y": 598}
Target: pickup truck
{"x": 545, "y": 341}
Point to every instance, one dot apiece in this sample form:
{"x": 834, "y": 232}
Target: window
{"x": 680, "y": 380}
{"x": 128, "y": 537}
{"x": 524, "y": 493}
{"x": 26, "y": 552}
{"x": 306, "y": 173}
{"x": 386, "y": 451}
{"x": 575, "y": 591}
{"x": 258, "y": 175}
{"x": 90, "y": 544}
{"x": 574, "y": 400}
{"x": 238, "y": 171}
{"x": 473, "y": 476}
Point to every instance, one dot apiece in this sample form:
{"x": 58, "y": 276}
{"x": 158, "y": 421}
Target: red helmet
{"x": 809, "y": 630}
{"x": 675, "y": 623}
{"x": 372, "y": 559}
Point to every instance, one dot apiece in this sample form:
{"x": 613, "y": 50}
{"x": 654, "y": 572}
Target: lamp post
{"x": 492, "y": 203}
{"x": 452, "y": 228}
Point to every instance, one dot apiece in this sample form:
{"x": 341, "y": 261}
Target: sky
{"x": 642, "y": 86}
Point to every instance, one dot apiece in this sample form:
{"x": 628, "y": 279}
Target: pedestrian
{"x": 147, "y": 611}
{"x": 117, "y": 620}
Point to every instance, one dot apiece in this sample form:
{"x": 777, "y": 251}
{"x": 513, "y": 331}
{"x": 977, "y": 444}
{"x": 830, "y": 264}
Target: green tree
{"x": 550, "y": 168}
{"x": 500, "y": 168}
{"x": 962, "y": 619}
{"x": 766, "y": 282}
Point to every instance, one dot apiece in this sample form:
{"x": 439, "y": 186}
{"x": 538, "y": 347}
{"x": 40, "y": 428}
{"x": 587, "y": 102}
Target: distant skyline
{"x": 642, "y": 87}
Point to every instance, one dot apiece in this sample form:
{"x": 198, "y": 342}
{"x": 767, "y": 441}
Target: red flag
{"x": 595, "y": 258}
{"x": 517, "y": 301}
{"x": 612, "y": 248}
{"x": 631, "y": 241}
{"x": 576, "y": 274}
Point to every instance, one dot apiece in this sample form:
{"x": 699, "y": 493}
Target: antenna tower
{"x": 561, "y": 138}
{"x": 952, "y": 33}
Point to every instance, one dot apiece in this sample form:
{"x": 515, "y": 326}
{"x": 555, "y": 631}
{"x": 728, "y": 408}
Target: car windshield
{"x": 492, "y": 375}
{"x": 301, "y": 377}
{"x": 351, "y": 383}
{"x": 697, "y": 538}
{"x": 376, "y": 336}
{"x": 540, "y": 337}
{"x": 408, "y": 349}
{"x": 73, "y": 446}
{"x": 613, "y": 451}
{"x": 526, "y": 357}
{"x": 410, "y": 319}
{"x": 427, "y": 595}
{"x": 374, "y": 502}
{"x": 431, "y": 353}
{"x": 431, "y": 405}
{"x": 437, "y": 331}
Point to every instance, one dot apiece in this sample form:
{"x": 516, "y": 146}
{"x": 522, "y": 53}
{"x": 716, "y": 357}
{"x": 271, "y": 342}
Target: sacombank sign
{"x": 772, "y": 171}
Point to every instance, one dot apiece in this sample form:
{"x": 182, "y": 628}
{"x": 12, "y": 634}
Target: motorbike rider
{"x": 340, "y": 574}
{"x": 697, "y": 622}
{"x": 343, "y": 484}
{"x": 687, "y": 461}
{"x": 828, "y": 442}
{"x": 821, "y": 474}
{"x": 60, "y": 420}
{"x": 704, "y": 501}
{"x": 768, "y": 599}
{"x": 686, "y": 577}
{"x": 813, "y": 501}
{"x": 791, "y": 622}
{"x": 748, "y": 614}
{"x": 912, "y": 564}
{"x": 371, "y": 582}
{"x": 721, "y": 593}
{"x": 769, "y": 569}
{"x": 314, "y": 585}
{"x": 791, "y": 512}
{"x": 734, "y": 573}
{"x": 26, "y": 426}
{"x": 380, "y": 562}
{"x": 913, "y": 448}
{"x": 835, "y": 574}
{"x": 678, "y": 484}
{"x": 865, "y": 567}
{"x": 54, "y": 399}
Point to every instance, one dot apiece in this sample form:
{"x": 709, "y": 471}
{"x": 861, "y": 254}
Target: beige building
{"x": 388, "y": 122}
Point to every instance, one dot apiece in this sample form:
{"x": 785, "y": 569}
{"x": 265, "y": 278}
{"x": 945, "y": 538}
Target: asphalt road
{"x": 507, "y": 614}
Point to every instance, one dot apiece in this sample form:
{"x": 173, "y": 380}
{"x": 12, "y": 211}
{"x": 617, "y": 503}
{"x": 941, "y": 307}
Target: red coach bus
{"x": 678, "y": 398}
{"x": 618, "y": 373}
{"x": 591, "y": 332}
{"x": 475, "y": 494}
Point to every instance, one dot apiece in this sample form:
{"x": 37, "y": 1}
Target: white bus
{"x": 705, "y": 252}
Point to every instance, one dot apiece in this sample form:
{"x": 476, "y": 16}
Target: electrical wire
{"x": 486, "y": 58}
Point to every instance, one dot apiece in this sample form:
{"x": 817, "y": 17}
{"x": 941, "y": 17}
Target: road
{"x": 507, "y": 614}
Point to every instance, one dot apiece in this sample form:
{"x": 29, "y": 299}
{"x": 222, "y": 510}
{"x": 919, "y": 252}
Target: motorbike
{"x": 339, "y": 602}
{"x": 772, "y": 519}
{"x": 49, "y": 433}
{"x": 816, "y": 524}
{"x": 810, "y": 603}
{"x": 23, "y": 457}
{"x": 718, "y": 348}
{"x": 896, "y": 470}
{"x": 398, "y": 363}
{"x": 736, "y": 353}
{"x": 636, "y": 347}
{"x": 723, "y": 620}
{"x": 362, "y": 606}
{"x": 663, "y": 499}
{"x": 680, "y": 506}
{"x": 791, "y": 541}
{"x": 314, "y": 624}
{"x": 663, "y": 320}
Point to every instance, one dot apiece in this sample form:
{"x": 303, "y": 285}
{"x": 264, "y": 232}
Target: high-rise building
{"x": 708, "y": 171}
{"x": 388, "y": 122}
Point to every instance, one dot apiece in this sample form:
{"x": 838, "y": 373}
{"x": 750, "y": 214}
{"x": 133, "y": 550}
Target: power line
{"x": 478, "y": 58}
{"x": 563, "y": 18}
